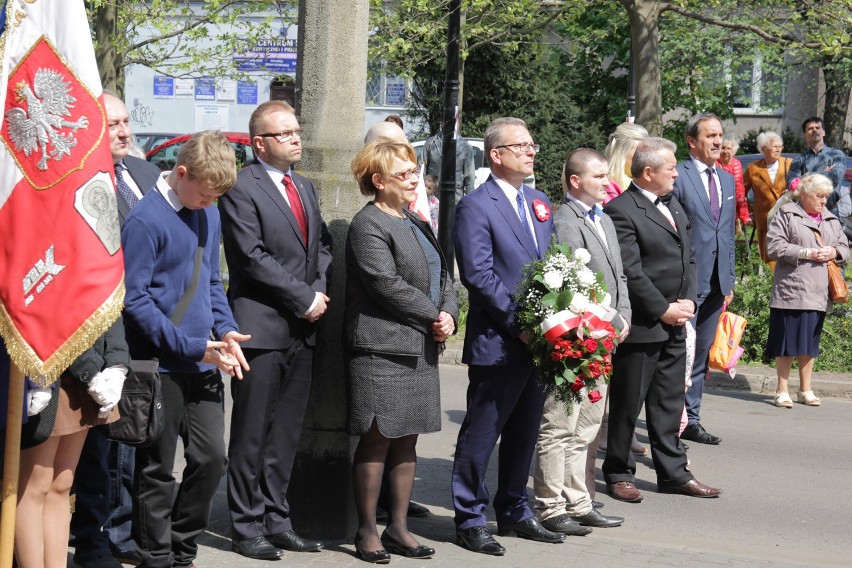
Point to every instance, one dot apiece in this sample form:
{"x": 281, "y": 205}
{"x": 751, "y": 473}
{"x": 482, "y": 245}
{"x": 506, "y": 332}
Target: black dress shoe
{"x": 478, "y": 539}
{"x": 258, "y": 548}
{"x": 131, "y": 557}
{"x": 374, "y": 556}
{"x": 416, "y": 510}
{"x": 595, "y": 519}
{"x": 696, "y": 433}
{"x": 531, "y": 529}
{"x": 395, "y": 547}
{"x": 597, "y": 505}
{"x": 289, "y": 540}
{"x": 565, "y": 525}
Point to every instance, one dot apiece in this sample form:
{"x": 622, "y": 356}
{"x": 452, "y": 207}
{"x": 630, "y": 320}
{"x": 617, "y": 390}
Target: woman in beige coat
{"x": 767, "y": 178}
{"x": 803, "y": 236}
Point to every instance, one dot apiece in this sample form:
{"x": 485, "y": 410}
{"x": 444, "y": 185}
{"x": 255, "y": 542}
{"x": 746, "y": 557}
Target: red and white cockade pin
{"x": 542, "y": 211}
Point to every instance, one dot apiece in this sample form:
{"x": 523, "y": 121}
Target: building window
{"x": 385, "y": 90}
{"x": 756, "y": 82}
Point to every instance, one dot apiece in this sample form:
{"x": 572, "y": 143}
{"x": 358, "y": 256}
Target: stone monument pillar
{"x": 330, "y": 96}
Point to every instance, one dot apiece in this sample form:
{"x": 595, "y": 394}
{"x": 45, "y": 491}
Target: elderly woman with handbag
{"x": 805, "y": 239}
{"x": 400, "y": 308}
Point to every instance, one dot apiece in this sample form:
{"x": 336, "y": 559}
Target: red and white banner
{"x": 60, "y": 257}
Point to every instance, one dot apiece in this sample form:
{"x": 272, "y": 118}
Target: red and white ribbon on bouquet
{"x": 562, "y": 322}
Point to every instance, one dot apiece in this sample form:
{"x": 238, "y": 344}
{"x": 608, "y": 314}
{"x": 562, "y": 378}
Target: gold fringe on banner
{"x": 43, "y": 373}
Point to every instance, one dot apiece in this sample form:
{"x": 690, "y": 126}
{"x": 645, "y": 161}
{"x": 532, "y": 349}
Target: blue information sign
{"x": 276, "y": 55}
{"x": 205, "y": 89}
{"x": 164, "y": 87}
{"x": 246, "y": 93}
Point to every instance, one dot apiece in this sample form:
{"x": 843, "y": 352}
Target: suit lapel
{"x": 266, "y": 185}
{"x": 652, "y": 213}
{"x": 697, "y": 184}
{"x": 510, "y": 214}
{"x": 589, "y": 229}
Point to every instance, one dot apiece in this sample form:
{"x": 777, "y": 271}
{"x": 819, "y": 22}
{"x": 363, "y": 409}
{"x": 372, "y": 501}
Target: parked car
{"x": 482, "y": 169}
{"x": 149, "y": 140}
{"x": 165, "y": 155}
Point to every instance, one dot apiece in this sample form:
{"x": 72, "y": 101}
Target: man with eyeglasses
{"x": 278, "y": 250}
{"x": 499, "y": 227}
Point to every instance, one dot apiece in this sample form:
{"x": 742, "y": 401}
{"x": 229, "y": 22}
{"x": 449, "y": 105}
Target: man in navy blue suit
{"x": 499, "y": 227}
{"x": 707, "y": 195}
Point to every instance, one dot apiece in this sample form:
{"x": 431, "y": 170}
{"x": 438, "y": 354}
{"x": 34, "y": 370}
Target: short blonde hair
{"x": 621, "y": 142}
{"x": 209, "y": 159}
{"x": 377, "y": 158}
{"x": 812, "y": 183}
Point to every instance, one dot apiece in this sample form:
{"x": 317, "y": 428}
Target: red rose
{"x": 590, "y": 345}
{"x": 595, "y": 396}
{"x": 577, "y": 385}
{"x": 542, "y": 211}
{"x": 555, "y": 356}
{"x": 608, "y": 344}
{"x": 594, "y": 369}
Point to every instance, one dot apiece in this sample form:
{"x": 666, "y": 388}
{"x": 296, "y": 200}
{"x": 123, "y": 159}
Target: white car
{"x": 482, "y": 169}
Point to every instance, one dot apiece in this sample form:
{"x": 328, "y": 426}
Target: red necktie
{"x": 296, "y": 206}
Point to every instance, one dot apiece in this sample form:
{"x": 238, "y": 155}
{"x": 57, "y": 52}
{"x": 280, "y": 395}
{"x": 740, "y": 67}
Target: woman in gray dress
{"x": 400, "y": 308}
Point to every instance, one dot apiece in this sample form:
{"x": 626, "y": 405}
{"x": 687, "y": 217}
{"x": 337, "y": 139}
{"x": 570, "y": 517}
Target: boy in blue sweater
{"x": 160, "y": 239}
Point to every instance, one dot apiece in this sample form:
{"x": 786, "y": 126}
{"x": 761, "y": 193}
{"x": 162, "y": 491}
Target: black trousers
{"x": 652, "y": 374}
{"x": 266, "y": 423}
{"x": 166, "y": 525}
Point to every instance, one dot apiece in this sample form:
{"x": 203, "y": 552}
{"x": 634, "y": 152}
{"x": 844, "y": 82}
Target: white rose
{"x": 586, "y": 277}
{"x": 553, "y": 279}
{"x": 582, "y": 255}
{"x": 579, "y": 303}
{"x": 607, "y": 300}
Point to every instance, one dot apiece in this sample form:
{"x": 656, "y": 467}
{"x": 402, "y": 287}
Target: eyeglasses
{"x": 413, "y": 173}
{"x": 522, "y": 147}
{"x": 282, "y": 137}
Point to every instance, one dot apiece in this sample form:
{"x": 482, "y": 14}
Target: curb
{"x": 749, "y": 378}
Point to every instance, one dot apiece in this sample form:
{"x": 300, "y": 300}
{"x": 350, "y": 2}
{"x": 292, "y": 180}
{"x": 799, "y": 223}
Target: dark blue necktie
{"x": 714, "y": 195}
{"x": 522, "y": 213}
{"x": 124, "y": 189}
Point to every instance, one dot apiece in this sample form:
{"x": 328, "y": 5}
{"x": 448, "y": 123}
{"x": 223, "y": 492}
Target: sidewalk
{"x": 750, "y": 378}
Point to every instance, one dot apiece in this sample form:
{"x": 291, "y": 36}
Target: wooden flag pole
{"x": 11, "y": 465}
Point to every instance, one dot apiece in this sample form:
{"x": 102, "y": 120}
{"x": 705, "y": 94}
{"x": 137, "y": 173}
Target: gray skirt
{"x": 401, "y": 393}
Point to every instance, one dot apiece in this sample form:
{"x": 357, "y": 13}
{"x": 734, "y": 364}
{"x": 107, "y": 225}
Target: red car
{"x": 165, "y": 154}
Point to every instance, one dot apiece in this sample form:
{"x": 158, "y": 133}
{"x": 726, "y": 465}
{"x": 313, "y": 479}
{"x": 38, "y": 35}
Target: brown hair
{"x": 262, "y": 110}
{"x": 376, "y": 158}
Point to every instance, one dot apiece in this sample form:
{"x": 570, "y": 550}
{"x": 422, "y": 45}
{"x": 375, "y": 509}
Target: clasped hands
{"x": 823, "y": 254}
{"x": 227, "y": 354}
{"x": 444, "y": 327}
{"x": 679, "y": 312}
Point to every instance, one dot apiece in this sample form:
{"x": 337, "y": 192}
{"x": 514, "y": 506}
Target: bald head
{"x": 385, "y": 131}
{"x": 118, "y": 121}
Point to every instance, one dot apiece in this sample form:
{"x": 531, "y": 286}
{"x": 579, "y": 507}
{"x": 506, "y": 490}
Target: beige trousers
{"x": 559, "y": 480}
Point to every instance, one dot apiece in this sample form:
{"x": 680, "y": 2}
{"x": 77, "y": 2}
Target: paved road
{"x": 787, "y": 499}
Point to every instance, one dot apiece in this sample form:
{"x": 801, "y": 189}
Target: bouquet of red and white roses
{"x": 564, "y": 308}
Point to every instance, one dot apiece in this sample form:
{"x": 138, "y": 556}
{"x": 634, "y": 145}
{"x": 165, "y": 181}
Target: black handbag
{"x": 140, "y": 409}
{"x": 141, "y": 413}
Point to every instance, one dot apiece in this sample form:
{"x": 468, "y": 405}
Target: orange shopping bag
{"x": 726, "y": 350}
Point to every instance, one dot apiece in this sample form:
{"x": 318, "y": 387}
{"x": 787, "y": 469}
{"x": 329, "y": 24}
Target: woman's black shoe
{"x": 395, "y": 547}
{"x": 374, "y": 557}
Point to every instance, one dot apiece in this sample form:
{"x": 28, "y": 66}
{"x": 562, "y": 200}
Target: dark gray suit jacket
{"x": 388, "y": 309}
{"x": 574, "y": 230}
{"x": 145, "y": 176}
{"x": 274, "y": 273}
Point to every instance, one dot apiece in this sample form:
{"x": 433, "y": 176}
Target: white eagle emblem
{"x": 48, "y": 102}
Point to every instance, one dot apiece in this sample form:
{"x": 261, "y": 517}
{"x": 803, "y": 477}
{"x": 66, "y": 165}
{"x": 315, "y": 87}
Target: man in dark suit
{"x": 499, "y": 228}
{"x": 650, "y": 366}
{"x": 707, "y": 195}
{"x": 104, "y": 475}
{"x": 278, "y": 250}
{"x": 563, "y": 502}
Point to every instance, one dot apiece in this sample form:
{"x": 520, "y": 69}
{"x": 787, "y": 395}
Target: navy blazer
{"x": 658, "y": 261}
{"x": 712, "y": 243}
{"x": 492, "y": 248}
{"x": 144, "y": 174}
{"x": 274, "y": 273}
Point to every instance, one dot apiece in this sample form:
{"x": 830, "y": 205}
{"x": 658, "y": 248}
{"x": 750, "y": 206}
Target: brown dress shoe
{"x": 624, "y": 491}
{"x": 693, "y": 488}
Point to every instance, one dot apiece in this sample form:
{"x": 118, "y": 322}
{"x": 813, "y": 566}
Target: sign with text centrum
{"x": 277, "y": 55}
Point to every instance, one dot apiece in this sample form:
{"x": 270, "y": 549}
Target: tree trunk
{"x": 462, "y": 47}
{"x": 644, "y": 16}
{"x": 837, "y": 94}
{"x": 109, "y": 60}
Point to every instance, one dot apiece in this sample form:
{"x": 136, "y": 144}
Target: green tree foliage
{"x": 180, "y": 38}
